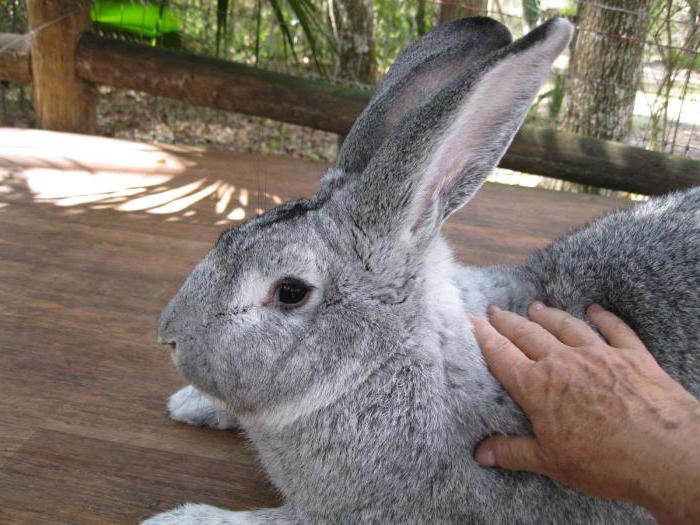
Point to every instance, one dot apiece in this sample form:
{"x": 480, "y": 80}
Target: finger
{"x": 504, "y": 360}
{"x": 568, "y": 329}
{"x": 530, "y": 338}
{"x": 614, "y": 329}
{"x": 512, "y": 453}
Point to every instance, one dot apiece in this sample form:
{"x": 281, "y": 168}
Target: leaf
{"x": 279, "y": 15}
{"x": 305, "y": 12}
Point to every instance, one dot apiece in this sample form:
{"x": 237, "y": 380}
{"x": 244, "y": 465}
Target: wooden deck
{"x": 91, "y": 248}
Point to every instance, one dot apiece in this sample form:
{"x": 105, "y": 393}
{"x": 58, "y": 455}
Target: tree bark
{"x": 605, "y": 68}
{"x": 62, "y": 101}
{"x": 353, "y": 28}
{"x": 420, "y": 17}
{"x": 454, "y": 9}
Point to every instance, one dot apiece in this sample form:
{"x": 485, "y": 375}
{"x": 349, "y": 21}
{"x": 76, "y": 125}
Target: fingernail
{"x": 595, "y": 308}
{"x": 485, "y": 457}
{"x": 537, "y": 306}
{"x": 492, "y": 310}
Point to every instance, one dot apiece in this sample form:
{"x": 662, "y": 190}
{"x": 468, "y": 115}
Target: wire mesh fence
{"x": 632, "y": 73}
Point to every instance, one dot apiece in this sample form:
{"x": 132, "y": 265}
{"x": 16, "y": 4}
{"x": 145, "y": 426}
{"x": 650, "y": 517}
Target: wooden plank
{"x": 62, "y": 101}
{"x": 83, "y": 433}
{"x": 59, "y": 477}
{"x": 235, "y": 87}
{"x": 14, "y": 58}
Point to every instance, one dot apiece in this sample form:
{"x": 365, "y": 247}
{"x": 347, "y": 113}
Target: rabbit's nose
{"x": 164, "y": 341}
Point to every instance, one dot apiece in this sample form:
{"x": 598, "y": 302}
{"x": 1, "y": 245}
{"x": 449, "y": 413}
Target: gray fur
{"x": 365, "y": 403}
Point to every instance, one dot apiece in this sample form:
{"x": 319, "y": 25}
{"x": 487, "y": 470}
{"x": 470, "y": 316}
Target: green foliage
{"x": 288, "y": 35}
{"x": 395, "y": 27}
{"x": 556, "y": 95}
{"x": 13, "y": 16}
{"x": 305, "y": 13}
{"x": 547, "y": 106}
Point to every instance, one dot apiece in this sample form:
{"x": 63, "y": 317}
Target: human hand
{"x": 607, "y": 419}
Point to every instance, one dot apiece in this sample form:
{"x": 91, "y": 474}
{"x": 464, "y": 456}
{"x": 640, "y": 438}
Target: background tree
{"x": 420, "y": 17}
{"x": 605, "y": 68}
{"x": 453, "y": 9}
{"x": 353, "y": 29}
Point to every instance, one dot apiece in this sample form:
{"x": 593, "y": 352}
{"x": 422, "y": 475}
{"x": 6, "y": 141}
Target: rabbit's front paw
{"x": 190, "y": 514}
{"x": 189, "y": 405}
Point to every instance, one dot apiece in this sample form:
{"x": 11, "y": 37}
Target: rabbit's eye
{"x": 291, "y": 292}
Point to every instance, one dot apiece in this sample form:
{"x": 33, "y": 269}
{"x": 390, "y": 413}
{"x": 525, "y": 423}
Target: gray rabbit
{"x": 333, "y": 330}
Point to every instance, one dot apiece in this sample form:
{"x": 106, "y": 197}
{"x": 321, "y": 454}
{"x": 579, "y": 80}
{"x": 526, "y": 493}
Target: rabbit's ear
{"x": 442, "y": 152}
{"x": 423, "y": 68}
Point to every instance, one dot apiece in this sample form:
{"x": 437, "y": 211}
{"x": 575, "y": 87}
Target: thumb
{"x": 512, "y": 453}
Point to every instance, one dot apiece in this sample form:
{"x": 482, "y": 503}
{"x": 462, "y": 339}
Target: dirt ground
{"x": 138, "y": 116}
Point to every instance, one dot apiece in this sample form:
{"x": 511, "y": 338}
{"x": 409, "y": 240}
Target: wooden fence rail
{"x": 321, "y": 105}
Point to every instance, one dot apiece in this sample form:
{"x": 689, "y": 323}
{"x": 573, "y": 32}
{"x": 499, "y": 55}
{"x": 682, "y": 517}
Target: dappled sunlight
{"x": 67, "y": 150}
{"x": 155, "y": 201}
{"x": 72, "y": 187}
{"x": 82, "y": 173}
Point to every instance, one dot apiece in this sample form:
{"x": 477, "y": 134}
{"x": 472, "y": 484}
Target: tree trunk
{"x": 453, "y": 9}
{"x": 62, "y": 101}
{"x": 353, "y": 28}
{"x": 420, "y": 17}
{"x": 605, "y": 68}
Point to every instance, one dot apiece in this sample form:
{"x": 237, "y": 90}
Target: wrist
{"x": 670, "y": 485}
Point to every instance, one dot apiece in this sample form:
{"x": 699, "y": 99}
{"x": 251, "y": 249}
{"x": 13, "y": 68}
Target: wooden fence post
{"x": 62, "y": 101}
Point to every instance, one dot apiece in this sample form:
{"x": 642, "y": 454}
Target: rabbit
{"x": 334, "y": 330}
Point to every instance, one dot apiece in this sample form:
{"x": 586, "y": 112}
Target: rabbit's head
{"x": 291, "y": 309}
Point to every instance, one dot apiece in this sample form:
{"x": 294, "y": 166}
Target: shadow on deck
{"x": 96, "y": 235}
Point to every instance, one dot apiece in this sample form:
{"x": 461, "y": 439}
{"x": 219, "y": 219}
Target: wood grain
{"x": 62, "y": 101}
{"x": 83, "y": 433}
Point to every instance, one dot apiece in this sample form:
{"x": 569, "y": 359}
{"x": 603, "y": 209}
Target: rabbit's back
{"x": 643, "y": 264}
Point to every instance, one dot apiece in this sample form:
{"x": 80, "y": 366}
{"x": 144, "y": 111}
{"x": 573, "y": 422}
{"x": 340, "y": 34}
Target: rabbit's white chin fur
{"x": 446, "y": 309}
